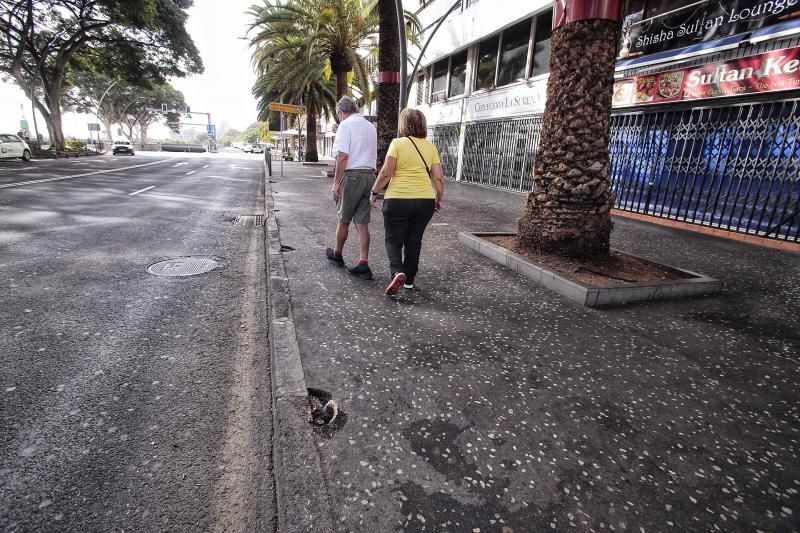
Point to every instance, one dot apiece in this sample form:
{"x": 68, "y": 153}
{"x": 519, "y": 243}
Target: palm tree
{"x": 287, "y": 74}
{"x": 568, "y": 211}
{"x": 334, "y": 28}
{"x": 290, "y": 70}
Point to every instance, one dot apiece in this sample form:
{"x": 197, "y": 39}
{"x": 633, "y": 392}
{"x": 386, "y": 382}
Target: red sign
{"x": 774, "y": 71}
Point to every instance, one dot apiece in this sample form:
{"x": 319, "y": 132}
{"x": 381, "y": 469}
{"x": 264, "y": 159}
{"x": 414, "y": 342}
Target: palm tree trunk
{"x": 341, "y": 85}
{"x": 388, "y": 76}
{"x": 311, "y": 135}
{"x": 568, "y": 211}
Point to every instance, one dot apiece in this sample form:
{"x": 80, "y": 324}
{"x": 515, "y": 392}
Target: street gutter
{"x": 303, "y": 501}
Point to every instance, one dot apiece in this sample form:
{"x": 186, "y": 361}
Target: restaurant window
{"x": 458, "y": 74}
{"x": 487, "y": 63}
{"x": 439, "y": 84}
{"x": 541, "y": 44}
{"x": 514, "y": 53}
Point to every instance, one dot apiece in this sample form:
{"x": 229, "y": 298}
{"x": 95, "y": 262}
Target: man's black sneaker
{"x": 362, "y": 271}
{"x": 331, "y": 255}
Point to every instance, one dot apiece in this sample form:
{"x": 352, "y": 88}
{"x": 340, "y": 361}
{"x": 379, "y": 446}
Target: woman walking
{"x": 413, "y": 172}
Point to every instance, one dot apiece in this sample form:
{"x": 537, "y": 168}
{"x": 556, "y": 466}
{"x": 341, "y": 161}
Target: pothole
{"x": 327, "y": 416}
{"x": 285, "y": 248}
{"x": 182, "y": 266}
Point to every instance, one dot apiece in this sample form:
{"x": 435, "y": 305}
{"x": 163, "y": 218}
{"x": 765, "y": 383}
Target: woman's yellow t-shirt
{"x": 410, "y": 179}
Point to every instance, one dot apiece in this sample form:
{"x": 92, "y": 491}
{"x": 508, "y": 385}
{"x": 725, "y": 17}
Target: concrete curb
{"x": 591, "y": 296}
{"x": 303, "y": 501}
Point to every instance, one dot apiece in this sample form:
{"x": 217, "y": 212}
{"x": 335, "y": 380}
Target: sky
{"x": 217, "y": 28}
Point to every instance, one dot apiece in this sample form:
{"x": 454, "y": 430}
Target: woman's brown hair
{"x": 413, "y": 123}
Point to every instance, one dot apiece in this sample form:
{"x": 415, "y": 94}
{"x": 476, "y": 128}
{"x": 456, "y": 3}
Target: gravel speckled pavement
{"x": 483, "y": 402}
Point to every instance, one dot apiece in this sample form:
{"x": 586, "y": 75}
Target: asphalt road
{"x": 129, "y": 401}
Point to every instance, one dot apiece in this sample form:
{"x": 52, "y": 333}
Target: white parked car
{"x": 13, "y": 147}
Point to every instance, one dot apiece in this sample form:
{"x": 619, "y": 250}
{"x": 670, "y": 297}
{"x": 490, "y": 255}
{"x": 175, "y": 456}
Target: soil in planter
{"x": 614, "y": 269}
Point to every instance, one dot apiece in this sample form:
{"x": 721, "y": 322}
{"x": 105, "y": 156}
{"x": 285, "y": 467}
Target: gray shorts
{"x": 354, "y": 202}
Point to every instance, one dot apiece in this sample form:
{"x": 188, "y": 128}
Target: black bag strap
{"x": 427, "y": 169}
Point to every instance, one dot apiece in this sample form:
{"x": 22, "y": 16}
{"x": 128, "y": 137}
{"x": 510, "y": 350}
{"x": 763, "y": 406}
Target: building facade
{"x": 706, "y": 105}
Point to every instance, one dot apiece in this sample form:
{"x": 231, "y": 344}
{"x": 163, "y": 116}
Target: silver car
{"x": 13, "y": 147}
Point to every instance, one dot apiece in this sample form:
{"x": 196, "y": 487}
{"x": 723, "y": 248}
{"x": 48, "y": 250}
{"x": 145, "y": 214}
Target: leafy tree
{"x": 229, "y": 136}
{"x": 136, "y": 40}
{"x": 257, "y": 132}
{"x": 98, "y": 95}
{"x": 120, "y": 102}
{"x": 144, "y": 110}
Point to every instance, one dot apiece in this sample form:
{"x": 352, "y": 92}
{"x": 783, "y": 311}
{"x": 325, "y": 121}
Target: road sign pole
{"x": 282, "y": 158}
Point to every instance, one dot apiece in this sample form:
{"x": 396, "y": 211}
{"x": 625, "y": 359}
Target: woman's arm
{"x": 438, "y": 184}
{"x": 384, "y": 177}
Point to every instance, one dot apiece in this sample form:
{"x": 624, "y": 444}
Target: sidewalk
{"x": 484, "y": 402}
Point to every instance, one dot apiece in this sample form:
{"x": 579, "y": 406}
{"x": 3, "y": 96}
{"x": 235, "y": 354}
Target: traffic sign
{"x": 211, "y": 129}
{"x": 286, "y": 108}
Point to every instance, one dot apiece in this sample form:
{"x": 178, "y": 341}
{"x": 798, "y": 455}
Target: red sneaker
{"x": 394, "y": 286}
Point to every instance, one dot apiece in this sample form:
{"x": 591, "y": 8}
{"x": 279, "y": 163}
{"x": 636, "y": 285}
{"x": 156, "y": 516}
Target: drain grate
{"x": 249, "y": 220}
{"x": 182, "y": 266}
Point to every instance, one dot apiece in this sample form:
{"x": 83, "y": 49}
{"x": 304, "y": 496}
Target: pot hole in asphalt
{"x": 285, "y": 248}
{"x": 327, "y": 417}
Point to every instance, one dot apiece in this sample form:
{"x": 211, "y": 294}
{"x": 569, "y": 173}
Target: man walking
{"x": 356, "y": 149}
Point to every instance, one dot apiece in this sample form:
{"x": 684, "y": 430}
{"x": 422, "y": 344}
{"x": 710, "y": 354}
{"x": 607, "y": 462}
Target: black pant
{"x": 405, "y": 222}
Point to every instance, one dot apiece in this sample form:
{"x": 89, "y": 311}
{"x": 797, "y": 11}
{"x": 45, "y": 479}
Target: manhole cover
{"x": 182, "y": 266}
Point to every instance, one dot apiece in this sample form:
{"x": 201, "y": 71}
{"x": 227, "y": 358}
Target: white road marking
{"x": 108, "y": 171}
{"x": 179, "y": 164}
{"x": 206, "y": 166}
{"x": 439, "y": 224}
{"x": 142, "y": 190}
{"x": 190, "y": 172}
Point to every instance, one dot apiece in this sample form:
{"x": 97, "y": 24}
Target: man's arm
{"x": 338, "y": 175}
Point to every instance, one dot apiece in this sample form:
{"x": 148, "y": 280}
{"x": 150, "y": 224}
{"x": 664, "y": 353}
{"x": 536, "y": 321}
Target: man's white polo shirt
{"x": 358, "y": 138}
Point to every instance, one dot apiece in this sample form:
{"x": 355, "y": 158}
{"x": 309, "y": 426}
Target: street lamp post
{"x": 97, "y": 114}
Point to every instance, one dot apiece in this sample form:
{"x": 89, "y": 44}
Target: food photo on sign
{"x": 645, "y": 89}
{"x": 669, "y": 85}
{"x": 623, "y": 93}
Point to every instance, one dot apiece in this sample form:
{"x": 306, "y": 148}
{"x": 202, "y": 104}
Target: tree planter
{"x": 694, "y": 284}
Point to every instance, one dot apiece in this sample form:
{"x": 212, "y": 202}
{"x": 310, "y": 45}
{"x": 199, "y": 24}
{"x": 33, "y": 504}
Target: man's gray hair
{"x": 346, "y": 105}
